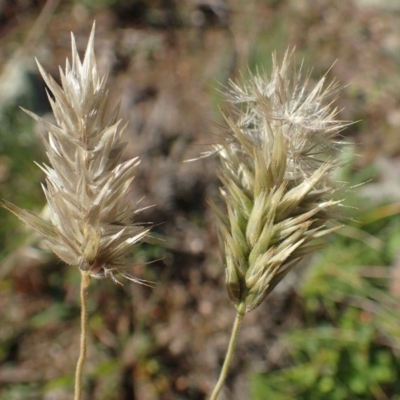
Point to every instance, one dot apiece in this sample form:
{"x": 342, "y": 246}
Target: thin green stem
{"x": 85, "y": 280}
{"x": 241, "y": 310}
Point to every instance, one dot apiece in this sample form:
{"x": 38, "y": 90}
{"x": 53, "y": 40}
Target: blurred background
{"x": 331, "y": 330}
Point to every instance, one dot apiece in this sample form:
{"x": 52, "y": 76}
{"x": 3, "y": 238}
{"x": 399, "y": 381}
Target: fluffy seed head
{"x": 86, "y": 181}
{"x": 276, "y": 167}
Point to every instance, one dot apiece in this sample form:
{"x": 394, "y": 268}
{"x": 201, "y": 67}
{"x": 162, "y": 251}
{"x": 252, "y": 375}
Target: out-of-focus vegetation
{"x": 331, "y": 330}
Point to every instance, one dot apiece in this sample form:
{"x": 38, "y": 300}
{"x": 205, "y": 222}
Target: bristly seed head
{"x": 276, "y": 170}
{"x": 86, "y": 181}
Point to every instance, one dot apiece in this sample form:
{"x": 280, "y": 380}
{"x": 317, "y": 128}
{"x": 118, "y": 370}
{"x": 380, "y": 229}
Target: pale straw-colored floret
{"x": 86, "y": 181}
{"x": 284, "y": 100}
{"x": 276, "y": 170}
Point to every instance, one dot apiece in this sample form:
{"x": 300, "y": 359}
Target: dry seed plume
{"x": 86, "y": 181}
{"x": 276, "y": 172}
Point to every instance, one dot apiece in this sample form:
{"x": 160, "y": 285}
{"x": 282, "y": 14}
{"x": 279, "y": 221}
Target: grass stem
{"x": 85, "y": 280}
{"x": 230, "y": 351}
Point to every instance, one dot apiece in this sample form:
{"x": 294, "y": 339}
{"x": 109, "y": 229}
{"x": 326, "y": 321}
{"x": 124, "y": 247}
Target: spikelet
{"x": 86, "y": 181}
{"x": 276, "y": 166}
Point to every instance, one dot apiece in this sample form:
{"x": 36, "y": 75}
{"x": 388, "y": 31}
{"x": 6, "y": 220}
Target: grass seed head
{"x": 277, "y": 162}
{"x": 86, "y": 180}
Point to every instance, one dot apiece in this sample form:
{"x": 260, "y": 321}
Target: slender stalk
{"x": 85, "y": 280}
{"x": 229, "y": 353}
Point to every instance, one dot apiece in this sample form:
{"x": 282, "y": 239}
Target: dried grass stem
{"x": 85, "y": 281}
